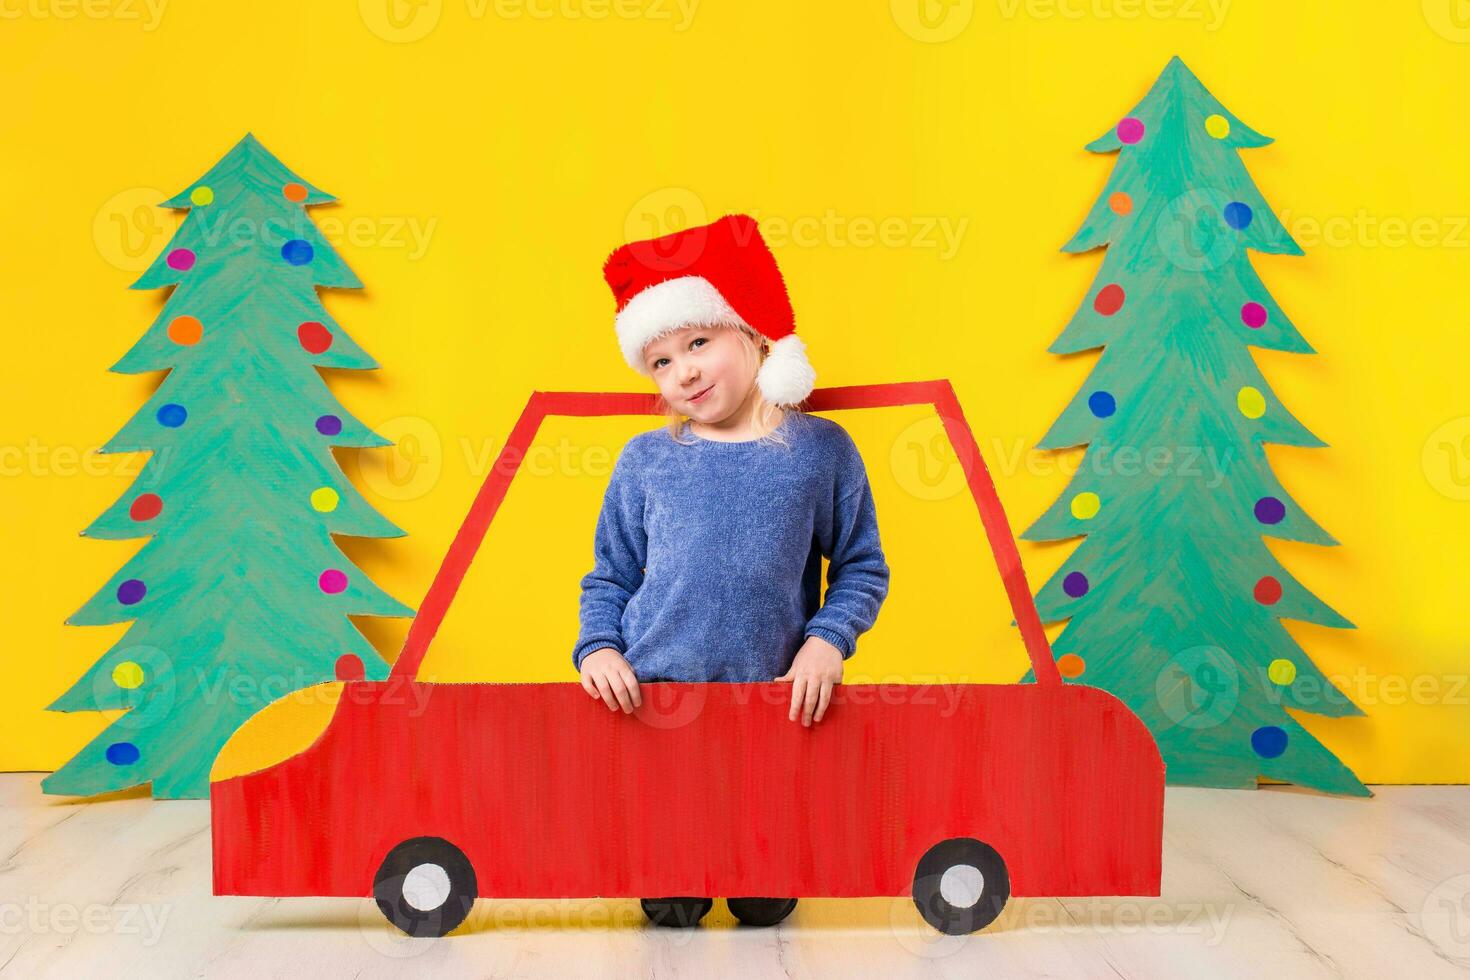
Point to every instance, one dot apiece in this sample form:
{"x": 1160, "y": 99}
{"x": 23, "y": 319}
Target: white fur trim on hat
{"x": 786, "y": 377}
{"x": 666, "y": 307}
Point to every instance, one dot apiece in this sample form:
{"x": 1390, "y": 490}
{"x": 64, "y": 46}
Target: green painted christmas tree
{"x": 240, "y": 594}
{"x": 1172, "y": 600}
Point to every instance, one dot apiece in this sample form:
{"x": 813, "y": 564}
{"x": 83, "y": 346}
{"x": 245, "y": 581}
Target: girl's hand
{"x": 606, "y": 675}
{"x": 814, "y": 672}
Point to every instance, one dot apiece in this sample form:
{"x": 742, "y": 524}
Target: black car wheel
{"x": 961, "y": 885}
{"x": 425, "y": 886}
{"x": 760, "y": 911}
{"x": 677, "y": 913}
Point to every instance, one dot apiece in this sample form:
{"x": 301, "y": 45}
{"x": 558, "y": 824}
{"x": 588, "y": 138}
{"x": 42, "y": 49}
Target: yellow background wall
{"x": 916, "y": 176}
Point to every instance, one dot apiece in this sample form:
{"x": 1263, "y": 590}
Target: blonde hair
{"x": 762, "y": 412}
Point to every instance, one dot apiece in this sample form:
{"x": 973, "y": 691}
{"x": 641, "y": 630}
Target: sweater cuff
{"x": 831, "y": 636}
{"x": 595, "y": 643}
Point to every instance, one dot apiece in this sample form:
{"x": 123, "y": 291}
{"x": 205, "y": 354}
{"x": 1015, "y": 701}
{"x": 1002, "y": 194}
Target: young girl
{"x": 708, "y": 550}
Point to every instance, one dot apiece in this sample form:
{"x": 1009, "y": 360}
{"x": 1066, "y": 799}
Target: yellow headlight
{"x": 283, "y": 728}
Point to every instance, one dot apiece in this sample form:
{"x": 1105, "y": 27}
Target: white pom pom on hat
{"x": 717, "y": 274}
{"x": 786, "y": 377}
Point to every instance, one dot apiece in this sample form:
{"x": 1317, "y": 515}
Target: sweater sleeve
{"x": 857, "y": 573}
{"x": 620, "y": 554}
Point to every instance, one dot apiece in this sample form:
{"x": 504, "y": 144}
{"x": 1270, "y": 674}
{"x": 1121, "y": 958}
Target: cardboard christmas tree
{"x": 1172, "y": 600}
{"x": 239, "y": 594}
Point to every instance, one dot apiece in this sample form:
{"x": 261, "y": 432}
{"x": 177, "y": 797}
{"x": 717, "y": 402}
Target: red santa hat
{"x": 713, "y": 275}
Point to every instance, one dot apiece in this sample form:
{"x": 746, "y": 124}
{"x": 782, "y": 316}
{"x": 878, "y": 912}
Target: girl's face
{"x": 705, "y": 372}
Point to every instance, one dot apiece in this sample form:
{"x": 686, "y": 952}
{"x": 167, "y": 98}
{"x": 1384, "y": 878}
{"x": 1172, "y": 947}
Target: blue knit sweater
{"x": 708, "y": 557}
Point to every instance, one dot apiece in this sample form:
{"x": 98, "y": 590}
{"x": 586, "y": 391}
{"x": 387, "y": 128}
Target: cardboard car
{"x": 429, "y": 795}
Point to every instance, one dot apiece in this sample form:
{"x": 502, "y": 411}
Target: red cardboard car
{"x": 429, "y": 795}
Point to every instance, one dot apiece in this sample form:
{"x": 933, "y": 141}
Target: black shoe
{"x": 760, "y": 911}
{"x": 680, "y": 913}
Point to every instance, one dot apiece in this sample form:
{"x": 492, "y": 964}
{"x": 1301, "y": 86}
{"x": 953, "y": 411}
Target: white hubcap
{"x": 961, "y": 885}
{"x": 426, "y": 887}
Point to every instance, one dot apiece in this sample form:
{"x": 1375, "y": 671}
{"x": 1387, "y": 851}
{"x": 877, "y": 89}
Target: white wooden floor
{"x": 1274, "y": 882}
